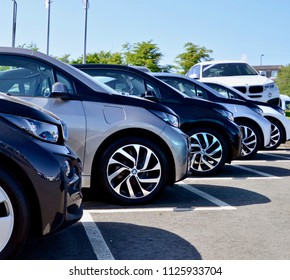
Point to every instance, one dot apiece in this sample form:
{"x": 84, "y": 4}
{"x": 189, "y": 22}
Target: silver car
{"x": 131, "y": 148}
{"x": 280, "y": 124}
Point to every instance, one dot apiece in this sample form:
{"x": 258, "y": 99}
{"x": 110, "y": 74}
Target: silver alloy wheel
{"x": 6, "y": 219}
{"x": 275, "y": 136}
{"x": 249, "y": 140}
{"x": 134, "y": 171}
{"x": 207, "y": 152}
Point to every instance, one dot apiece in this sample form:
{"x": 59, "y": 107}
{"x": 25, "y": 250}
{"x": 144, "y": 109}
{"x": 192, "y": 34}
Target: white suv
{"x": 237, "y": 74}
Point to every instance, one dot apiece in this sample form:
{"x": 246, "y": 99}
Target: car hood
{"x": 16, "y": 106}
{"x": 239, "y": 80}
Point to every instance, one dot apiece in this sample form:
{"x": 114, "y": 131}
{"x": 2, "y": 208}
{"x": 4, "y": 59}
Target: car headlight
{"x": 280, "y": 110}
{"x": 168, "y": 118}
{"x": 64, "y": 131}
{"x": 269, "y": 86}
{"x": 227, "y": 114}
{"x": 41, "y": 130}
{"x": 257, "y": 110}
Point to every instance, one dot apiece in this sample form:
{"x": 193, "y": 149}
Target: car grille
{"x": 241, "y": 89}
{"x": 252, "y": 89}
{"x": 256, "y": 89}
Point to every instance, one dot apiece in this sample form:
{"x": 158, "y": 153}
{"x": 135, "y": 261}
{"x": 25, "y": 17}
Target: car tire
{"x": 14, "y": 216}
{"x": 208, "y": 151}
{"x": 251, "y": 140}
{"x": 133, "y": 171}
{"x": 277, "y": 135}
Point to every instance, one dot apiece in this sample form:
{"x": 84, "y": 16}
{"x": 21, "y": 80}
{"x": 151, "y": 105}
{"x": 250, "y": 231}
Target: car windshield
{"x": 227, "y": 69}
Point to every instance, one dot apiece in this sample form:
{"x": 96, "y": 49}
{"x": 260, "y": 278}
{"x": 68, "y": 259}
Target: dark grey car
{"x": 40, "y": 176}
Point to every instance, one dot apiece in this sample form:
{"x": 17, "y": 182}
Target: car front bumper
{"x": 57, "y": 182}
{"x": 180, "y": 146}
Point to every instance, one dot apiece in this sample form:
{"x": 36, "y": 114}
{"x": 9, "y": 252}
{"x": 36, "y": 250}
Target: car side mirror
{"x": 194, "y": 76}
{"x": 60, "y": 90}
{"x": 150, "y": 93}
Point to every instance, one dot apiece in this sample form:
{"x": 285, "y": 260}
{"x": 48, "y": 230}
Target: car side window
{"x": 223, "y": 91}
{"x": 201, "y": 92}
{"x": 186, "y": 88}
{"x": 194, "y": 70}
{"x": 121, "y": 81}
{"x": 65, "y": 80}
{"x": 25, "y": 77}
{"x": 151, "y": 90}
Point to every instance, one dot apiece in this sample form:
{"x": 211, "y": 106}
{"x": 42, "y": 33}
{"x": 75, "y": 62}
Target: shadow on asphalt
{"x": 126, "y": 242}
{"x": 178, "y": 197}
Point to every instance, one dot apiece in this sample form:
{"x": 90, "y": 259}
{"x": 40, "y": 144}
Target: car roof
{"x": 105, "y": 65}
{"x": 202, "y": 84}
{"x": 88, "y": 80}
{"x": 142, "y": 68}
{"x": 220, "y": 62}
{"x": 169, "y": 74}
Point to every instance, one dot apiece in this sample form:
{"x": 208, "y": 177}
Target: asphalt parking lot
{"x": 240, "y": 214}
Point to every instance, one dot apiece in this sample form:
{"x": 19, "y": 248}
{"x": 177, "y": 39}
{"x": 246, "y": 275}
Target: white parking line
{"x": 262, "y": 160}
{"x": 97, "y": 241}
{"x": 280, "y": 156}
{"x": 222, "y": 205}
{"x": 158, "y": 209}
{"x": 269, "y": 176}
{"x": 95, "y": 237}
{"x": 192, "y": 180}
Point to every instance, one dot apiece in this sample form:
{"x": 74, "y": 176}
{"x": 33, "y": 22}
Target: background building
{"x": 270, "y": 71}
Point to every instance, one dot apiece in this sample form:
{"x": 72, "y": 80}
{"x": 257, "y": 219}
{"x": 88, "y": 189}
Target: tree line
{"x": 147, "y": 53}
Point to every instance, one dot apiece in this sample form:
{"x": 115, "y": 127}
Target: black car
{"x": 215, "y": 138}
{"x": 40, "y": 176}
{"x": 256, "y": 129}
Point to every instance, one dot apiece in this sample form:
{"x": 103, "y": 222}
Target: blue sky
{"x": 232, "y": 29}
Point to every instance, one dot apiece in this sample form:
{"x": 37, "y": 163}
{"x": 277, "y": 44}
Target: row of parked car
{"x": 119, "y": 132}
{"x": 263, "y": 124}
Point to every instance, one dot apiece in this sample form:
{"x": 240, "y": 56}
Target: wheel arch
{"x": 255, "y": 124}
{"x": 275, "y": 120}
{"x": 27, "y": 186}
{"x": 215, "y": 126}
{"x": 134, "y": 133}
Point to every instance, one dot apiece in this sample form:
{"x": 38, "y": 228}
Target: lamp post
{"x": 86, "y": 6}
{"x": 261, "y": 59}
{"x": 14, "y": 15}
{"x": 47, "y": 6}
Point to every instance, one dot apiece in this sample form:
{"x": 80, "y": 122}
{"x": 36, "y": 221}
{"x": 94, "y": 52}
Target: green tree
{"x": 31, "y": 46}
{"x": 191, "y": 56}
{"x": 143, "y": 54}
{"x": 64, "y": 58}
{"x": 283, "y": 80}
{"x": 101, "y": 57}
